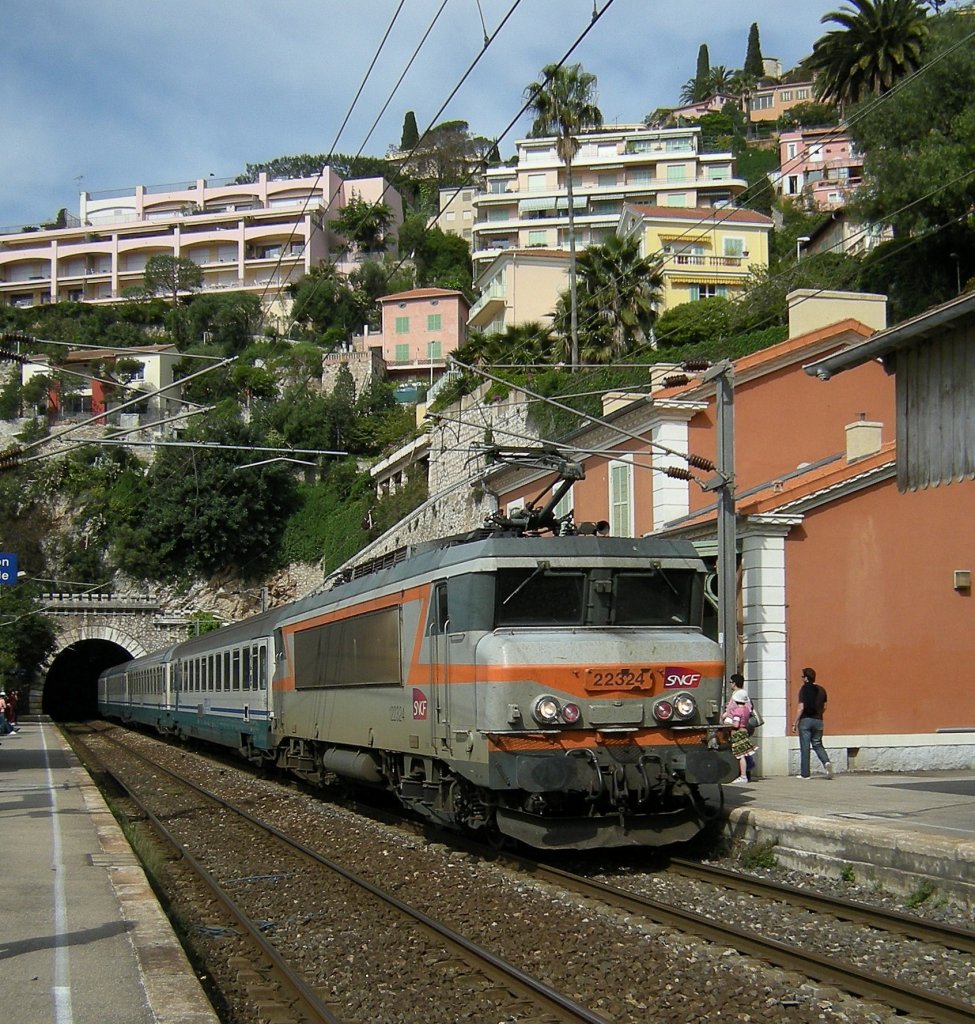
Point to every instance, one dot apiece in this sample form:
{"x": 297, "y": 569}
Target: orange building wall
{"x": 872, "y": 608}
{"x": 786, "y": 418}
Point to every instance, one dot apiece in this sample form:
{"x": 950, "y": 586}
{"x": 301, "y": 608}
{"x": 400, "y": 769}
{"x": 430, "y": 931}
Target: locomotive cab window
{"x": 539, "y": 597}
{"x": 662, "y": 597}
{"x": 439, "y": 616}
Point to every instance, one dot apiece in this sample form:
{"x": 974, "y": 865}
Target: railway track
{"x": 461, "y": 964}
{"x": 896, "y": 922}
{"x": 610, "y": 947}
{"x": 901, "y": 996}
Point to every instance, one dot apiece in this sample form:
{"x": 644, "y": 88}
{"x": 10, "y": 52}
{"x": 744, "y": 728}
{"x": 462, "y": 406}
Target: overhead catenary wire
{"x": 596, "y": 16}
{"x": 406, "y": 158}
{"x": 125, "y": 405}
{"x": 277, "y": 267}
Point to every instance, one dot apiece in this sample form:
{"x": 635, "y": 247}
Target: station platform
{"x": 898, "y": 830}
{"x": 83, "y": 939}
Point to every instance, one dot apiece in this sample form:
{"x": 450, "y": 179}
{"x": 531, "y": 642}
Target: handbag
{"x": 755, "y": 721}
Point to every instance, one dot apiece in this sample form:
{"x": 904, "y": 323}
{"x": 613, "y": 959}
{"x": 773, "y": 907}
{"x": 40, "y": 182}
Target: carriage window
{"x": 245, "y": 666}
{"x": 235, "y": 671}
{"x": 262, "y": 668}
{"x": 226, "y": 670}
{"x": 539, "y": 597}
{"x": 665, "y": 597}
{"x": 210, "y": 677}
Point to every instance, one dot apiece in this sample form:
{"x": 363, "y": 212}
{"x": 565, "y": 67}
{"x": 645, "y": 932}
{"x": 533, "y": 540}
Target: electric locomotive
{"x": 555, "y": 690}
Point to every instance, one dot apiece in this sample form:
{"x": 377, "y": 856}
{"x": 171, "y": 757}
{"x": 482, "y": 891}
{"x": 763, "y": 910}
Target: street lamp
{"x": 957, "y": 260}
{"x": 800, "y": 242}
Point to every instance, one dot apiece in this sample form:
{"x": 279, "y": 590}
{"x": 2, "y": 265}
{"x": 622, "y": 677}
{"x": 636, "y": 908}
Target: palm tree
{"x": 526, "y": 344}
{"x": 881, "y": 41}
{"x": 720, "y": 79}
{"x": 618, "y": 293}
{"x": 564, "y": 104}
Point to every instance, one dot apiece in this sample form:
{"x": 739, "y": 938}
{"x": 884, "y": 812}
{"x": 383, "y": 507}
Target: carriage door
{"x": 438, "y": 651}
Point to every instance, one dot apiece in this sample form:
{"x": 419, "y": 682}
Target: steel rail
{"x": 821, "y": 968}
{"x": 896, "y": 921}
{"x": 311, "y": 1006}
{"x": 517, "y": 982}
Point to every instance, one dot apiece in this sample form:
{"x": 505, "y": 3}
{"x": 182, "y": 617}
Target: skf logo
{"x": 420, "y": 705}
{"x": 680, "y": 678}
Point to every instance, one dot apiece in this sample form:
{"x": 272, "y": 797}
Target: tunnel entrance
{"x": 71, "y": 690}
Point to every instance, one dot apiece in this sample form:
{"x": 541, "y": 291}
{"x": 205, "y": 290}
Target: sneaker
{"x": 741, "y": 780}
{"x": 804, "y": 778}
{"x": 829, "y": 770}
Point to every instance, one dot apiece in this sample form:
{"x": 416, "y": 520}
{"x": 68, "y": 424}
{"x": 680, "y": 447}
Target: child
{"x": 736, "y": 716}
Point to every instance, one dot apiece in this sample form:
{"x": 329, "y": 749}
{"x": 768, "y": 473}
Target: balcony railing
{"x": 684, "y": 259}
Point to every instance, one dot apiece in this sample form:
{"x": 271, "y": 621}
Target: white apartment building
{"x": 526, "y": 206}
{"x": 456, "y": 216}
{"x": 257, "y": 237}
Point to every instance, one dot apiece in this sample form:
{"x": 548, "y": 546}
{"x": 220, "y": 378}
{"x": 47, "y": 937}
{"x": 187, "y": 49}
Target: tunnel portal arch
{"x": 69, "y": 685}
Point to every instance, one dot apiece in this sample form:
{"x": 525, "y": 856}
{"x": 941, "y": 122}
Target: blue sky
{"x": 102, "y": 94}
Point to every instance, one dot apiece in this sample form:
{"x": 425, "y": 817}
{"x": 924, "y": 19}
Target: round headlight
{"x": 546, "y": 710}
{"x": 684, "y": 705}
{"x": 571, "y": 713}
{"x": 663, "y": 711}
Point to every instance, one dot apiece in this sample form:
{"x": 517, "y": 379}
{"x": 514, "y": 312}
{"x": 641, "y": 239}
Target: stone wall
{"x": 458, "y": 500}
{"x": 365, "y": 367}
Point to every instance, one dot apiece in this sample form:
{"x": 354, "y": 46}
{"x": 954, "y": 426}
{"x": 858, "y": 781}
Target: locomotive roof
{"x": 560, "y": 551}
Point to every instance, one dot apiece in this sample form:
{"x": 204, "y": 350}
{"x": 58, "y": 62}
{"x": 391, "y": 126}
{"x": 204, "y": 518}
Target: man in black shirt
{"x": 809, "y": 723}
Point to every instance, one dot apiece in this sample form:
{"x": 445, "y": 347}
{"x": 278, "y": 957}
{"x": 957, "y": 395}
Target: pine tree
{"x": 754, "y": 66}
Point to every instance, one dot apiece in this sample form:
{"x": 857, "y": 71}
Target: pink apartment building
{"x": 818, "y": 166}
{"x": 421, "y": 327}
{"x": 258, "y": 237}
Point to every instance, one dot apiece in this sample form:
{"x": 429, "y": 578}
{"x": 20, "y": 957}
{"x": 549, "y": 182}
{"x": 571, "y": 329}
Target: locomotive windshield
{"x": 599, "y": 597}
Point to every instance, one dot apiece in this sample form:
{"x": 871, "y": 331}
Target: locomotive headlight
{"x": 663, "y": 711}
{"x": 571, "y": 713}
{"x": 684, "y": 705}
{"x": 546, "y": 710}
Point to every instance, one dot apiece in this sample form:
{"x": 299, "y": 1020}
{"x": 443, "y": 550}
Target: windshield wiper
{"x": 542, "y": 567}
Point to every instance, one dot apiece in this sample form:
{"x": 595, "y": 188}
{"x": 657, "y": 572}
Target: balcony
{"x": 708, "y": 262}
{"x": 487, "y": 307}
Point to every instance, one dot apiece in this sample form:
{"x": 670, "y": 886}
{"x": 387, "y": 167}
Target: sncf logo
{"x": 420, "y": 705}
{"x": 676, "y": 678}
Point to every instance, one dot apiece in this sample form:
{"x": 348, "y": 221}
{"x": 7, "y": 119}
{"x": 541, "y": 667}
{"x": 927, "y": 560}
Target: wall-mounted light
{"x": 963, "y": 579}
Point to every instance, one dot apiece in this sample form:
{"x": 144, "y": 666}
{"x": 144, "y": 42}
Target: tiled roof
{"x": 422, "y": 293}
{"x": 734, "y": 214}
{"x": 791, "y": 491}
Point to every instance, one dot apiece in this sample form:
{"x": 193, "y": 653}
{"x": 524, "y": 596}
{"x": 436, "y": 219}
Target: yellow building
{"x": 704, "y": 252}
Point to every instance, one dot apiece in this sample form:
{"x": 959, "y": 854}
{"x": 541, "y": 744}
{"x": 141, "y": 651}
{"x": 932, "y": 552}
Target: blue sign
{"x": 8, "y": 569}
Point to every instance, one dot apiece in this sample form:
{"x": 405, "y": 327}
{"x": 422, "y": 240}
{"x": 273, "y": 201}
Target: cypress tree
{"x": 703, "y": 74}
{"x": 411, "y": 134}
{"x": 754, "y": 67}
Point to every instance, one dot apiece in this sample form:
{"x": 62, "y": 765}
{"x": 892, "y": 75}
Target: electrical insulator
{"x": 678, "y": 473}
{"x": 9, "y": 459}
{"x": 696, "y": 365}
{"x": 700, "y": 462}
{"x": 8, "y": 356}
{"x": 676, "y": 381}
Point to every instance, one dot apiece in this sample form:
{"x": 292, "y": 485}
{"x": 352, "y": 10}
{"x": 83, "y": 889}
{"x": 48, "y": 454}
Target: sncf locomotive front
{"x": 582, "y": 690}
